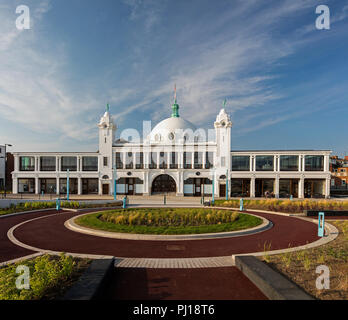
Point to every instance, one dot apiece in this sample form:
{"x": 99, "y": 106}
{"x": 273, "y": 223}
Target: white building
{"x": 2, "y": 167}
{"x": 174, "y": 158}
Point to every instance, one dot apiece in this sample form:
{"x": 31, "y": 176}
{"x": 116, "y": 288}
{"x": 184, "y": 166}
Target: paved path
{"x": 181, "y": 284}
{"x": 49, "y": 233}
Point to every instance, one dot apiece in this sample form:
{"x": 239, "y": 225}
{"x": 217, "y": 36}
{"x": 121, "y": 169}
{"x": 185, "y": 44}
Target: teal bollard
{"x": 124, "y": 205}
{"x": 57, "y": 204}
{"x": 241, "y": 205}
{"x": 321, "y": 224}
{"x": 291, "y": 197}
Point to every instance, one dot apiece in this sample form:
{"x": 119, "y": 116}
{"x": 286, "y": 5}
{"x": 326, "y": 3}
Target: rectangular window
{"x": 240, "y": 163}
{"x": 174, "y": 160}
{"x": 105, "y": 161}
{"x": 47, "y": 163}
{"x": 153, "y": 160}
{"x": 198, "y": 160}
{"x": 187, "y": 160}
{"x": 264, "y": 163}
{"x": 209, "y": 160}
{"x": 26, "y": 163}
{"x": 89, "y": 163}
{"x": 314, "y": 163}
{"x": 139, "y": 160}
{"x": 26, "y": 185}
{"x": 163, "y": 160}
{"x": 288, "y": 163}
{"x": 69, "y": 163}
{"x": 119, "y": 162}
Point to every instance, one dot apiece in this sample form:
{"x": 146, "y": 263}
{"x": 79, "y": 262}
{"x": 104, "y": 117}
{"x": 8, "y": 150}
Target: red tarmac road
{"x": 50, "y": 233}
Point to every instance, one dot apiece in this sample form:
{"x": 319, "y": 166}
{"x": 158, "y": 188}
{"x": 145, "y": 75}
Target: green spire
{"x": 175, "y": 106}
{"x": 175, "y": 110}
{"x": 224, "y": 103}
{"x": 107, "y": 108}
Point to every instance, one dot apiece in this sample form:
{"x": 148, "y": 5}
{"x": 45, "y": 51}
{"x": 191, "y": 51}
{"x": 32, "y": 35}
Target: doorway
{"x": 106, "y": 188}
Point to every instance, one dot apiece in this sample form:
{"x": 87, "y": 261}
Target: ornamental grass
{"x": 287, "y": 206}
{"x": 169, "y": 217}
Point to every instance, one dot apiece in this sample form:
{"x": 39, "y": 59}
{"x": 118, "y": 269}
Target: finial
{"x": 175, "y": 106}
{"x": 107, "y": 107}
{"x": 224, "y": 103}
{"x": 175, "y": 93}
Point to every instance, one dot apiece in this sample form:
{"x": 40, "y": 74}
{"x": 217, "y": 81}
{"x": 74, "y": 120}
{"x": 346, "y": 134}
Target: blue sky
{"x": 285, "y": 81}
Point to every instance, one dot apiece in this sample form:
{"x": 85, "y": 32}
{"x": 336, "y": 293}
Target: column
{"x": 36, "y": 185}
{"x": 57, "y": 185}
{"x": 193, "y": 159}
{"x": 100, "y": 187}
{"x": 79, "y": 186}
{"x": 252, "y": 187}
{"x": 57, "y": 164}
{"x": 204, "y": 160}
{"x": 16, "y": 163}
{"x": 36, "y": 165}
{"x": 15, "y": 185}
{"x": 303, "y": 163}
{"x": 327, "y": 187}
{"x": 181, "y": 184}
{"x": 276, "y": 187}
{"x": 146, "y": 190}
{"x": 301, "y": 188}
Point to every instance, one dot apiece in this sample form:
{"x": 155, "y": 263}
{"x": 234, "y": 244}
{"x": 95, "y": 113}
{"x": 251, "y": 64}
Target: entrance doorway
{"x": 106, "y": 187}
{"x": 130, "y": 186}
{"x": 222, "y": 190}
{"x": 198, "y": 187}
{"x": 163, "y": 183}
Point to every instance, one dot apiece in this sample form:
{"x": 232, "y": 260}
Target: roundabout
{"x": 51, "y": 232}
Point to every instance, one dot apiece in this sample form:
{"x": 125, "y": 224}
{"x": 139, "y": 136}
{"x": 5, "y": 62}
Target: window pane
{"x": 47, "y": 163}
{"x": 314, "y": 163}
{"x": 264, "y": 163}
{"x": 139, "y": 160}
{"x": 119, "y": 163}
{"x": 288, "y": 163}
{"x": 153, "y": 160}
{"x": 209, "y": 160}
{"x": 198, "y": 158}
{"x": 69, "y": 163}
{"x": 163, "y": 160}
{"x": 27, "y": 163}
{"x": 89, "y": 163}
{"x": 187, "y": 160}
{"x": 240, "y": 163}
{"x": 174, "y": 160}
{"x": 129, "y": 160}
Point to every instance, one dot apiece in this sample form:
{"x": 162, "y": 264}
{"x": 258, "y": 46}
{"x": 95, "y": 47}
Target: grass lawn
{"x": 300, "y": 267}
{"x": 169, "y": 221}
{"x": 50, "y": 277}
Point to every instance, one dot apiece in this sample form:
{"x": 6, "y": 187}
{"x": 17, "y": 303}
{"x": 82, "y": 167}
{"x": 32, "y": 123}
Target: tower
{"x": 107, "y": 130}
{"x": 223, "y": 127}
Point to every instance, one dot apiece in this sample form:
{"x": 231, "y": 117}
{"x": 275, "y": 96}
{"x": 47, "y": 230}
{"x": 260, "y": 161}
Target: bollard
{"x": 241, "y": 205}
{"x": 164, "y": 199}
{"x": 321, "y": 226}
{"x": 124, "y": 205}
{"x": 57, "y": 204}
{"x": 291, "y": 197}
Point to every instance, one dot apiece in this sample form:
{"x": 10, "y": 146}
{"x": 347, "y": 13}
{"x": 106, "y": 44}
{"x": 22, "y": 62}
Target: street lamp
{"x": 114, "y": 177}
{"x": 5, "y": 157}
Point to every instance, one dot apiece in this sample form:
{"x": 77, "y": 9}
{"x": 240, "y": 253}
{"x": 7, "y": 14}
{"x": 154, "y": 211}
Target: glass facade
{"x": 73, "y": 183}
{"x": 48, "y": 186}
{"x": 264, "y": 163}
{"x": 153, "y": 160}
{"x": 240, "y": 163}
{"x": 47, "y": 163}
{"x": 174, "y": 160}
{"x": 119, "y": 161}
{"x": 90, "y": 186}
{"x": 187, "y": 160}
{"x": 163, "y": 160}
{"x": 26, "y": 163}
{"x": 26, "y": 185}
{"x": 198, "y": 160}
{"x": 139, "y": 160}
{"x": 89, "y": 163}
{"x": 69, "y": 163}
{"x": 129, "y": 160}
{"x": 314, "y": 163}
{"x": 209, "y": 160}
{"x": 288, "y": 163}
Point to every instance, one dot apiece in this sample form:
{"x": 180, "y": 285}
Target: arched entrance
{"x": 163, "y": 183}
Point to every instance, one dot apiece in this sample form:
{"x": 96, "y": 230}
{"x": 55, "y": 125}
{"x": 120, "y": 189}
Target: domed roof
{"x": 172, "y": 129}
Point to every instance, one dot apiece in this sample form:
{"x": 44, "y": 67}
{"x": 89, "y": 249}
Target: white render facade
{"x": 175, "y": 157}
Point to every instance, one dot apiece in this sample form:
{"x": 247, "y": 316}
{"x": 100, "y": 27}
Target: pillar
{"x": 252, "y": 187}
{"x": 79, "y": 186}
{"x": 301, "y": 188}
{"x": 100, "y": 189}
{"x": 15, "y": 185}
{"x": 276, "y": 187}
{"x": 57, "y": 186}
{"x": 327, "y": 187}
{"x": 36, "y": 185}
